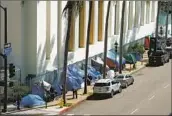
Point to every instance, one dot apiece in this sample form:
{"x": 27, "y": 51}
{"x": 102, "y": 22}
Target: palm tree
{"x": 87, "y": 46}
{"x": 157, "y": 25}
{"x": 71, "y": 8}
{"x": 121, "y": 38}
{"x": 106, "y": 39}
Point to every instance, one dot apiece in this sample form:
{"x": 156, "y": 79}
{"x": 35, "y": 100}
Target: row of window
{"x": 137, "y": 13}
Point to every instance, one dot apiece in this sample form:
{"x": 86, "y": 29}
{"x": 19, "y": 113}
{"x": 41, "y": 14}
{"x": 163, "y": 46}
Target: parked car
{"x": 125, "y": 80}
{"x": 107, "y": 87}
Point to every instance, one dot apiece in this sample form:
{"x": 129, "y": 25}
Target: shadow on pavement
{"x": 93, "y": 97}
{"x": 170, "y": 114}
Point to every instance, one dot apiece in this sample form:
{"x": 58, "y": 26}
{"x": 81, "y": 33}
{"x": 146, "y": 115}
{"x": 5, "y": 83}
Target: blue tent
{"x": 56, "y": 85}
{"x": 32, "y": 100}
{"x": 76, "y": 77}
{"x": 75, "y": 70}
{"x": 93, "y": 73}
{"x": 137, "y": 56}
{"x": 38, "y": 90}
{"x": 115, "y": 57}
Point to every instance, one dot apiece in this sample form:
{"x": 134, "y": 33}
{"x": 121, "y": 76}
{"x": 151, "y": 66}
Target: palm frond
{"x": 73, "y": 7}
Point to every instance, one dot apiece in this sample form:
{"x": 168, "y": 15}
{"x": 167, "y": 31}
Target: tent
{"x": 37, "y": 90}
{"x": 32, "y": 100}
{"x": 137, "y": 56}
{"x": 113, "y": 59}
{"x": 75, "y": 70}
{"x": 130, "y": 59}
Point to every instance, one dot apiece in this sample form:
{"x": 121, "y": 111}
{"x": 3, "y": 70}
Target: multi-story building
{"x": 37, "y": 31}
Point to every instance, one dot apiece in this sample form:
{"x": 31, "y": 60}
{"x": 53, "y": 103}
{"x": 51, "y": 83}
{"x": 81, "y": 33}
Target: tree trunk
{"x": 106, "y": 39}
{"x": 87, "y": 46}
{"x": 66, "y": 56}
{"x": 157, "y": 25}
{"x": 171, "y": 19}
{"x": 121, "y": 38}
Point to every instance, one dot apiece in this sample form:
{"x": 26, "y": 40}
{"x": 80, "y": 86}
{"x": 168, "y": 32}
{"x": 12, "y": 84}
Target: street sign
{"x": 7, "y": 49}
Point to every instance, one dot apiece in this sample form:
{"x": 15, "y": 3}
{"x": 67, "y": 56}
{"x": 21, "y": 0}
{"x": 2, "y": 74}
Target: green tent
{"x": 130, "y": 59}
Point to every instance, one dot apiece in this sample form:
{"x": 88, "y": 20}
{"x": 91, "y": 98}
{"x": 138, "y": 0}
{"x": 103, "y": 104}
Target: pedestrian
{"x": 75, "y": 94}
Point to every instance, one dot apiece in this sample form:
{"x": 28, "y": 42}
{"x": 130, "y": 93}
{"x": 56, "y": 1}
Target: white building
{"x": 36, "y": 30}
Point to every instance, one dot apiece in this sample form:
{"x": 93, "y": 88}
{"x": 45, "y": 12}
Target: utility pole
{"x": 121, "y": 38}
{"x": 5, "y": 60}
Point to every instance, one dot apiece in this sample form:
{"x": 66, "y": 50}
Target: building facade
{"x": 37, "y": 31}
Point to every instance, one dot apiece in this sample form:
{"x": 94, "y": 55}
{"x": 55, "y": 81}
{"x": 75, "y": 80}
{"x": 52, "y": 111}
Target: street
{"x": 149, "y": 95}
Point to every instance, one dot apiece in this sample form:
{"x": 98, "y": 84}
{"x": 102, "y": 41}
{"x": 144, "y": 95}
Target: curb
{"x": 72, "y": 106}
{"x": 137, "y": 70}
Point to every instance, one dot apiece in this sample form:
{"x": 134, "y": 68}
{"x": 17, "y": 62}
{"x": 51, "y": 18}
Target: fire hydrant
{"x": 61, "y": 103}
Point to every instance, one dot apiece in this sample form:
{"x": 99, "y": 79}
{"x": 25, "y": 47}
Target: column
{"x": 82, "y": 25}
{"x": 126, "y": 17}
{"x": 100, "y": 20}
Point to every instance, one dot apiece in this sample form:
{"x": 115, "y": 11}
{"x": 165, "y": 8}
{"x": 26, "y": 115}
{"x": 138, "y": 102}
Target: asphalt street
{"x": 149, "y": 95}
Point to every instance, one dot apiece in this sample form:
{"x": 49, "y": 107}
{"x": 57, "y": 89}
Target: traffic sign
{"x": 7, "y": 49}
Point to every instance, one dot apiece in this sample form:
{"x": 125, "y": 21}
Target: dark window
{"x": 120, "y": 77}
{"x": 113, "y": 82}
{"x": 102, "y": 84}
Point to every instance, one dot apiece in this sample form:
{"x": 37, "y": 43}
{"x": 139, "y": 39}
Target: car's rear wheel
{"x": 126, "y": 85}
{"x": 132, "y": 82}
{"x": 120, "y": 90}
{"x": 111, "y": 94}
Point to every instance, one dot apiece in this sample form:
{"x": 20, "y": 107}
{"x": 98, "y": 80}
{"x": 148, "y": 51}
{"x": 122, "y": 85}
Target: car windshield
{"x": 120, "y": 77}
{"x": 102, "y": 84}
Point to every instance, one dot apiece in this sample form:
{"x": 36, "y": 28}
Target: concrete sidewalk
{"x": 54, "y": 107}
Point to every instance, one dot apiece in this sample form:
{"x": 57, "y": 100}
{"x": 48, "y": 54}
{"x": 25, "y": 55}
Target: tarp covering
{"x": 75, "y": 70}
{"x": 98, "y": 64}
{"x": 137, "y": 56}
{"x": 32, "y": 100}
{"x": 93, "y": 73}
{"x": 130, "y": 58}
{"x": 114, "y": 57}
{"x": 56, "y": 85}
{"x": 37, "y": 90}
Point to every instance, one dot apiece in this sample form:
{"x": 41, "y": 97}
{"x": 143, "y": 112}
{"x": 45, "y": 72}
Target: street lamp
{"x": 116, "y": 50}
{"x": 5, "y": 59}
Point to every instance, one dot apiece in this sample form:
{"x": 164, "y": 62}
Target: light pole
{"x": 5, "y": 59}
{"x": 116, "y": 50}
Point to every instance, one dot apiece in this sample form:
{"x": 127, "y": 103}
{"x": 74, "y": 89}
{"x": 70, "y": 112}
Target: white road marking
{"x": 134, "y": 111}
{"x": 70, "y": 114}
{"x": 166, "y": 86}
{"x": 151, "y": 97}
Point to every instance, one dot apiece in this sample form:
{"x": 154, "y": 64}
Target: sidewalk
{"x": 54, "y": 107}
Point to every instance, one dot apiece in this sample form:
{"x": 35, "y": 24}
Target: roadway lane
{"x": 150, "y": 92}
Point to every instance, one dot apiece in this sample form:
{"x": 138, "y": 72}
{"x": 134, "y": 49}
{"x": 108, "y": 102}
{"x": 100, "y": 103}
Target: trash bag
{"x": 31, "y": 101}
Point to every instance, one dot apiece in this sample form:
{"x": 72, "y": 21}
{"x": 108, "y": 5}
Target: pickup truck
{"x": 160, "y": 57}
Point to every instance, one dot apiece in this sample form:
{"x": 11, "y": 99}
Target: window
{"x": 120, "y": 77}
{"x": 148, "y": 13}
{"x": 130, "y": 15}
{"x": 114, "y": 82}
{"x": 115, "y": 18}
{"x": 48, "y": 29}
{"x": 72, "y": 34}
{"x": 102, "y": 84}
{"x": 82, "y": 27}
{"x": 100, "y": 20}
